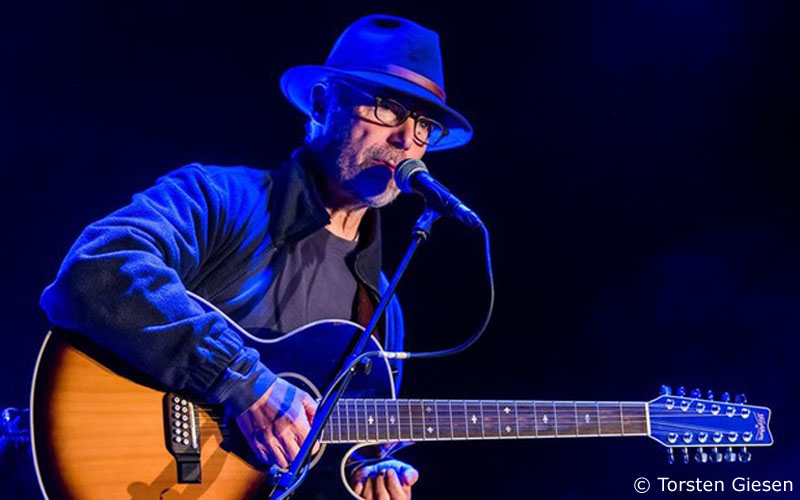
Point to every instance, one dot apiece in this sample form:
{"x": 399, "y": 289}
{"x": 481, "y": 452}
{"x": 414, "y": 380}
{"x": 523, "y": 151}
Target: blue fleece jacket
{"x": 214, "y": 231}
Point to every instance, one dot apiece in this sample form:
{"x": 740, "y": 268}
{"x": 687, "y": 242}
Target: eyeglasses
{"x": 391, "y": 113}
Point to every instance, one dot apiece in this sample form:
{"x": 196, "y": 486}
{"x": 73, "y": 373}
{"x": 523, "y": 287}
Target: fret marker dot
{"x": 428, "y": 409}
{"x": 370, "y": 420}
{"x": 507, "y": 410}
{"x": 586, "y": 418}
{"x": 545, "y": 419}
{"x": 391, "y": 419}
{"x": 474, "y": 419}
{"x": 508, "y": 428}
{"x": 430, "y": 430}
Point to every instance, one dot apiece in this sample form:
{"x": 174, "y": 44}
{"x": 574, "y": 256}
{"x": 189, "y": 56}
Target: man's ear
{"x": 319, "y": 102}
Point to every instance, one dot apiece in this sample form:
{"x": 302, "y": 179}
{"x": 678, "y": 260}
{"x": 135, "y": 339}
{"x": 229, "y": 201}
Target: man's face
{"x": 359, "y": 153}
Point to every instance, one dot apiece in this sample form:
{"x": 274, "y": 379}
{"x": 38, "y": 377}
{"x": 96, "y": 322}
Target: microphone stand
{"x": 286, "y": 480}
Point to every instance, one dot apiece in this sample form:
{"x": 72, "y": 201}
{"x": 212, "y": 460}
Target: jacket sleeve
{"x": 122, "y": 285}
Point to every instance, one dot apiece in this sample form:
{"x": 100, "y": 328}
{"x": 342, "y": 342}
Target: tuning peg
{"x": 670, "y": 456}
{"x": 700, "y": 456}
{"x": 730, "y": 455}
{"x": 666, "y": 390}
{"x": 716, "y": 456}
{"x": 681, "y": 391}
{"x": 726, "y": 397}
{"x": 741, "y": 399}
{"x": 745, "y": 456}
{"x": 710, "y": 395}
{"x": 695, "y": 394}
{"x": 685, "y": 454}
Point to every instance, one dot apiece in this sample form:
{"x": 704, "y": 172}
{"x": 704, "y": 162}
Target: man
{"x": 271, "y": 249}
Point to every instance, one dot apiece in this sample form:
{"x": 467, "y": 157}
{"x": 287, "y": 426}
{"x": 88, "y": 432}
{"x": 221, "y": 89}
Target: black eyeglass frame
{"x": 407, "y": 113}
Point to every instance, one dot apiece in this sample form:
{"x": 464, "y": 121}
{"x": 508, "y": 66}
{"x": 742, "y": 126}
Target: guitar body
{"x": 99, "y": 432}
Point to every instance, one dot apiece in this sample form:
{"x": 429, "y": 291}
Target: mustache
{"x": 380, "y": 153}
{"x": 393, "y": 159}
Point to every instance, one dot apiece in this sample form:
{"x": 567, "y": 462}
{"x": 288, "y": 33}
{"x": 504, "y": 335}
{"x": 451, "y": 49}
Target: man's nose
{"x": 402, "y": 136}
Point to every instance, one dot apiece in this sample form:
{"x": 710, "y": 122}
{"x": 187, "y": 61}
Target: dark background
{"x": 636, "y": 163}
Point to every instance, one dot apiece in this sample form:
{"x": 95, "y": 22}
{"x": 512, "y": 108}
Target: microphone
{"x": 412, "y": 176}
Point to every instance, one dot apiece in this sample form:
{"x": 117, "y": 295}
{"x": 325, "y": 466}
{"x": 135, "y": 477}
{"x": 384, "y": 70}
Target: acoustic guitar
{"x": 103, "y": 431}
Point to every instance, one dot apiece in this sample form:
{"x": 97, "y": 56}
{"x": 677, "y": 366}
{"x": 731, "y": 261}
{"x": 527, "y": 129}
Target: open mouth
{"x": 386, "y": 164}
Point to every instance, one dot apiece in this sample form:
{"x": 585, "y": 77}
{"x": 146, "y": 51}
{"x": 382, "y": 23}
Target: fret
{"x": 404, "y": 419}
{"x": 380, "y": 420}
{"x": 526, "y": 419}
{"x": 586, "y": 417}
{"x": 436, "y": 418}
{"x": 429, "y": 419}
{"x": 458, "y": 415}
{"x": 634, "y": 418}
{"x": 417, "y": 420}
{"x": 329, "y": 430}
{"x": 347, "y": 418}
{"x": 444, "y": 420}
{"x": 516, "y": 417}
{"x": 339, "y": 422}
{"x": 326, "y": 434}
{"x": 474, "y": 419}
{"x": 545, "y": 418}
{"x": 372, "y": 419}
{"x": 357, "y": 418}
{"x": 393, "y": 419}
{"x": 491, "y": 419}
{"x": 575, "y": 410}
{"x": 565, "y": 419}
{"x": 483, "y": 422}
{"x": 361, "y": 420}
{"x": 422, "y": 415}
{"x": 450, "y": 411}
{"x": 366, "y": 429}
{"x": 508, "y": 419}
{"x": 621, "y": 420}
{"x": 597, "y": 407}
{"x": 610, "y": 419}
{"x": 385, "y": 413}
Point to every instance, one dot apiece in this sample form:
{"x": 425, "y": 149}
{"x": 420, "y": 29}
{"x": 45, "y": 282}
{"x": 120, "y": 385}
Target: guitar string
{"x": 566, "y": 428}
{"x": 361, "y": 415}
{"x": 519, "y": 422}
{"x": 566, "y": 408}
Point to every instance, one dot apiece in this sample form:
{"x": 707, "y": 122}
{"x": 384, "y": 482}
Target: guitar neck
{"x": 375, "y": 420}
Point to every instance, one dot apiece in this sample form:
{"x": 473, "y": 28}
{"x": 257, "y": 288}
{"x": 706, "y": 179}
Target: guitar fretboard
{"x": 374, "y": 420}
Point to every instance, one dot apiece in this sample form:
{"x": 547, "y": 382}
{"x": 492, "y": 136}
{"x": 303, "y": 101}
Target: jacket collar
{"x": 296, "y": 210}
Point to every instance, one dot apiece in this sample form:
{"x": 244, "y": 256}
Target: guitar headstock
{"x": 691, "y": 421}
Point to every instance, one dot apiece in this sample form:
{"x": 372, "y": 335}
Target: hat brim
{"x": 296, "y": 84}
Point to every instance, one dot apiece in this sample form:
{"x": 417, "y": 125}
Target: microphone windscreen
{"x": 405, "y": 169}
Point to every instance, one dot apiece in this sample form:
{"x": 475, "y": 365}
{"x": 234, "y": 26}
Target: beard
{"x": 367, "y": 179}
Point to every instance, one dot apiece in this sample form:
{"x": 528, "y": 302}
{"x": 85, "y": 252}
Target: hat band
{"x": 405, "y": 74}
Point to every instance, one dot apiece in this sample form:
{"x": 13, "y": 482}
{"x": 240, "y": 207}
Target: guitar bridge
{"x": 182, "y": 434}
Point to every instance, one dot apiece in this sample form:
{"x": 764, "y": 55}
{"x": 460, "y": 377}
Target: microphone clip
{"x": 422, "y": 228}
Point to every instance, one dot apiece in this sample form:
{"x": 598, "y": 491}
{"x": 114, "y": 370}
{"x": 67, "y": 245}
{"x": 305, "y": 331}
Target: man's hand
{"x": 276, "y": 425}
{"x": 387, "y": 480}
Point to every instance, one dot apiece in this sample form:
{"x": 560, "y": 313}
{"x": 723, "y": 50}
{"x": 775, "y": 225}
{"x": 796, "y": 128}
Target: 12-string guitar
{"x": 101, "y": 430}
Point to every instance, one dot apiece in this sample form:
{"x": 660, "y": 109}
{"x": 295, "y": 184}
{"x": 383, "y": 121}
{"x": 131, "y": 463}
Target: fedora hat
{"x": 390, "y": 52}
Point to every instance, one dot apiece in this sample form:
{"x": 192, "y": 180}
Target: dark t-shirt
{"x": 314, "y": 282}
